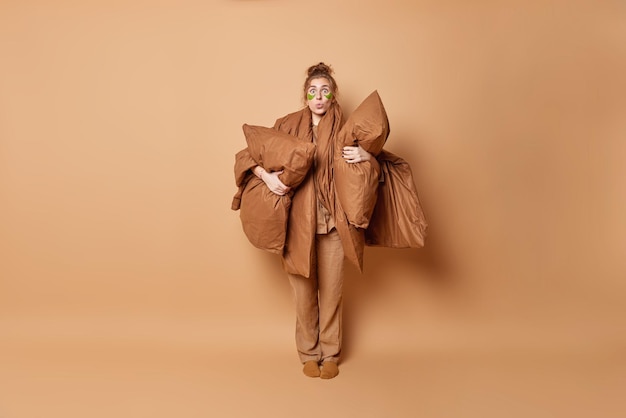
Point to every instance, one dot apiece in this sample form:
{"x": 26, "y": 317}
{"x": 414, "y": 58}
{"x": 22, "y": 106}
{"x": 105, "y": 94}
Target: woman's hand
{"x": 355, "y": 154}
{"x": 272, "y": 181}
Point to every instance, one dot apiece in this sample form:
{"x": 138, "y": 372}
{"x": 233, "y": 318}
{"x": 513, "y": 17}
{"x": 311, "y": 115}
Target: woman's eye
{"x": 325, "y": 92}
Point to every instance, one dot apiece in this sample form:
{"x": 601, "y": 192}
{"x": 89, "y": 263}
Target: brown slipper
{"x": 329, "y": 370}
{"x": 311, "y": 369}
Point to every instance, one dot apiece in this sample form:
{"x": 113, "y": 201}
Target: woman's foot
{"x": 329, "y": 370}
{"x": 311, "y": 369}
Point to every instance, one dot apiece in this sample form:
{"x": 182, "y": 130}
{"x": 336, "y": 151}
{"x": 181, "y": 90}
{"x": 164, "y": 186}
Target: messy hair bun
{"x": 320, "y": 70}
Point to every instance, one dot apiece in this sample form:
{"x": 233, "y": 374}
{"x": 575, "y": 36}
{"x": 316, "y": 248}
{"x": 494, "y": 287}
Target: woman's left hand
{"x": 355, "y": 154}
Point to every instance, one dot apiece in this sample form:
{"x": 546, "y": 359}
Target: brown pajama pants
{"x": 319, "y": 302}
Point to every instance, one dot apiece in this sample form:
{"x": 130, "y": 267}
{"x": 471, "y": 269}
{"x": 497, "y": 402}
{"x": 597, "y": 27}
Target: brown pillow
{"x": 367, "y": 126}
{"x": 264, "y": 214}
{"x": 275, "y": 150}
{"x": 356, "y": 183}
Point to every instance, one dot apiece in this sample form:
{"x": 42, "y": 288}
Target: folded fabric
{"x": 264, "y": 214}
{"x": 356, "y": 184}
{"x": 398, "y": 220}
{"x": 243, "y": 164}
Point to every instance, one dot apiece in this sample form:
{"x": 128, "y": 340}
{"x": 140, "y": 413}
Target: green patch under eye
{"x": 329, "y": 95}
{"x": 310, "y": 96}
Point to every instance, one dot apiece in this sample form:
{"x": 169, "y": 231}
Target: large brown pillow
{"x": 264, "y": 214}
{"x": 367, "y": 126}
{"x": 275, "y": 151}
{"x": 356, "y": 183}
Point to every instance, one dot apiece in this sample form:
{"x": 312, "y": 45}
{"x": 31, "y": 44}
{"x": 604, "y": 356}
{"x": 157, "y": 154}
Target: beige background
{"x": 127, "y": 287}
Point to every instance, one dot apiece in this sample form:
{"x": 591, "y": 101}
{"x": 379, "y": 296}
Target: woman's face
{"x": 319, "y": 96}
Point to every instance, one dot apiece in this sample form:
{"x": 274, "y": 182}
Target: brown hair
{"x": 320, "y": 70}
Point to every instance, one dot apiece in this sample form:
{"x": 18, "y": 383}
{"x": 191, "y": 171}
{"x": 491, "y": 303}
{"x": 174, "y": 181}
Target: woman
{"x": 318, "y": 234}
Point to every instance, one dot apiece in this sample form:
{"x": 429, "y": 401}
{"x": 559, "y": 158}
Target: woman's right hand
{"x": 272, "y": 181}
